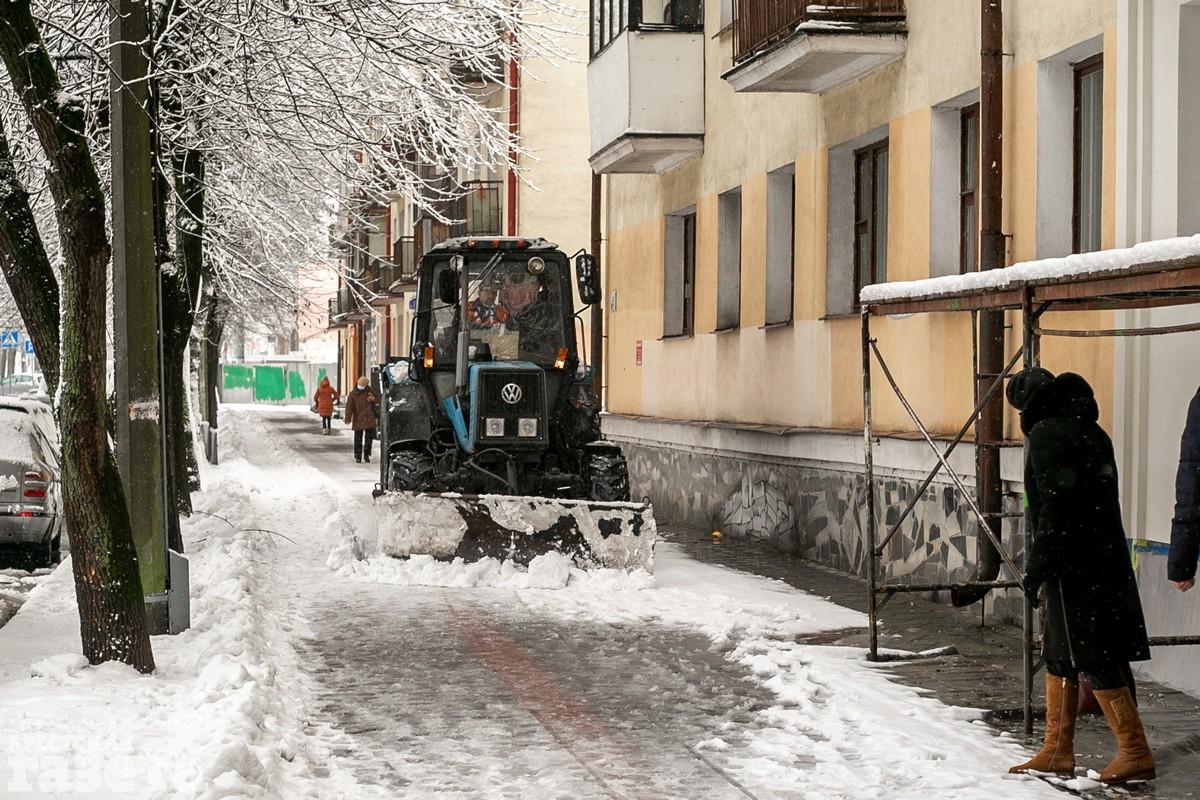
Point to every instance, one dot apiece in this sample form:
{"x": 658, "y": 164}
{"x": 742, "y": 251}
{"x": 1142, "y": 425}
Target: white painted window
{"x": 1089, "y": 154}
{"x": 954, "y": 187}
{"x": 781, "y": 239}
{"x": 1056, "y": 149}
{"x": 729, "y": 259}
{"x": 852, "y": 173}
{"x": 679, "y": 273}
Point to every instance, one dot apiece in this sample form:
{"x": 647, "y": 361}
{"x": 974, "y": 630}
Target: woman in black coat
{"x": 1185, "y": 527}
{"x": 1079, "y": 555}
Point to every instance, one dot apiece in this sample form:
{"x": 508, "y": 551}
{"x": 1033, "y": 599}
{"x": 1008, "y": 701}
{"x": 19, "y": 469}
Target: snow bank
{"x": 1078, "y": 265}
{"x": 223, "y": 716}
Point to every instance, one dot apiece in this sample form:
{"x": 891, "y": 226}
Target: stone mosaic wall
{"x": 819, "y": 514}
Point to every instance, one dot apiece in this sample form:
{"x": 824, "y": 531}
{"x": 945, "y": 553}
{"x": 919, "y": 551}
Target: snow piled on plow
{"x": 549, "y": 571}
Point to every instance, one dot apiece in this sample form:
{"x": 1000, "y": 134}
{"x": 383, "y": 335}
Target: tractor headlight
{"x": 536, "y": 265}
{"x": 494, "y": 426}
{"x": 527, "y": 427}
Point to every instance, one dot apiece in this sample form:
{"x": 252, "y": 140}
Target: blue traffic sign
{"x": 9, "y": 340}
{"x": 28, "y": 346}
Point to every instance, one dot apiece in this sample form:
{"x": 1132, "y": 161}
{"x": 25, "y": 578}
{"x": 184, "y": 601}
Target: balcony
{"x": 478, "y": 209}
{"x": 646, "y": 84}
{"x": 400, "y": 274}
{"x": 349, "y": 306}
{"x": 798, "y": 46}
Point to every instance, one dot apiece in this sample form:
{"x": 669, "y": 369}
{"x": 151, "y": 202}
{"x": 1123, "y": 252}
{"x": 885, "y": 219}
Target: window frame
{"x": 787, "y": 176}
{"x": 629, "y": 18}
{"x": 679, "y": 274}
{"x": 1080, "y": 71}
{"x": 730, "y": 234}
{"x": 968, "y": 193}
{"x": 688, "y": 284}
{"x": 868, "y": 223}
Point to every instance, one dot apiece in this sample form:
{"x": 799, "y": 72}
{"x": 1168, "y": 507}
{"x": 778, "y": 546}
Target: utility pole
{"x": 136, "y": 305}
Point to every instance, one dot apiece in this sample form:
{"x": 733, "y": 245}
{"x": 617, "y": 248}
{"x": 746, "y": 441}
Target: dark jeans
{"x": 326, "y": 423}
{"x": 362, "y": 443}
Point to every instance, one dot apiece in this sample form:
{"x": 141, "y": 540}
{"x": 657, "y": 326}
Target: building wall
{"x": 787, "y": 400}
{"x": 803, "y": 375}
{"x": 1158, "y": 183}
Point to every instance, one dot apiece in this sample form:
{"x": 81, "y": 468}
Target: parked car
{"x": 22, "y": 383}
{"x": 31, "y": 507}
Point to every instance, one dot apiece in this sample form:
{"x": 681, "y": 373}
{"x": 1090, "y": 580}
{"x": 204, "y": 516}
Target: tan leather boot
{"x": 1058, "y": 752}
{"x": 1134, "y": 761}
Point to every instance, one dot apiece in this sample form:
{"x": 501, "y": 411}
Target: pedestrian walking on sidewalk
{"x": 1185, "y": 527}
{"x": 1079, "y": 555}
{"x": 323, "y": 402}
{"x": 360, "y": 416}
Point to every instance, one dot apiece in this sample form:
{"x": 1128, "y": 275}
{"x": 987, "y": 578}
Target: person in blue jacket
{"x": 1185, "y": 527}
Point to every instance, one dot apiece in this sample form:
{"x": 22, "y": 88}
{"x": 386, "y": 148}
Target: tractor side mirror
{"x": 447, "y": 286}
{"x": 587, "y": 275}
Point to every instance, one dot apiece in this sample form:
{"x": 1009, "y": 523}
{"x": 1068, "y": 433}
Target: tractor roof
{"x": 486, "y": 243}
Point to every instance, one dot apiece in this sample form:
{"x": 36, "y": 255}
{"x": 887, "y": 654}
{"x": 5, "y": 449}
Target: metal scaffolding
{"x": 1143, "y": 285}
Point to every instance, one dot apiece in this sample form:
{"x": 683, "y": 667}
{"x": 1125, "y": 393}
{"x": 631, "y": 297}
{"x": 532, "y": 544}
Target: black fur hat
{"x": 1025, "y": 384}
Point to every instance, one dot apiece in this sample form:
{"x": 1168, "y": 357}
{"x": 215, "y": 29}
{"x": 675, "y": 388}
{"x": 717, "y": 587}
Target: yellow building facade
{"x": 740, "y": 405}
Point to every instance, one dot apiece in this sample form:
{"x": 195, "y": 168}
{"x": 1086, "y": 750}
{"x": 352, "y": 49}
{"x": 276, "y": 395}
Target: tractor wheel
{"x": 410, "y": 471}
{"x": 608, "y": 476}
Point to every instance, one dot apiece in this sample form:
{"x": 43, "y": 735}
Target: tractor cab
{"x": 491, "y": 429}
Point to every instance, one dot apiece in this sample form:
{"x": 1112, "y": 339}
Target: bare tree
{"x": 270, "y": 115}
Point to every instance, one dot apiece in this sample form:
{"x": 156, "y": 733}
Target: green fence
{"x": 276, "y": 384}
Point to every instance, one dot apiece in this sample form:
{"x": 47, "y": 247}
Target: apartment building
{"x": 548, "y": 195}
{"x": 763, "y": 162}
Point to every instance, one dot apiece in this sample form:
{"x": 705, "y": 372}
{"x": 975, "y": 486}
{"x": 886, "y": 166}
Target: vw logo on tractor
{"x": 511, "y": 394}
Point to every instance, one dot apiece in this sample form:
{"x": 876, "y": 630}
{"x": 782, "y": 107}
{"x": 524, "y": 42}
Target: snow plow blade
{"x": 473, "y": 527}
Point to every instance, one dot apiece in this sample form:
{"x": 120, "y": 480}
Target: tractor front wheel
{"x": 410, "y": 471}
{"x": 608, "y": 476}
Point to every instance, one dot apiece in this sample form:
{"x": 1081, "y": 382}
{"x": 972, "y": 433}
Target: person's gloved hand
{"x": 1033, "y": 586}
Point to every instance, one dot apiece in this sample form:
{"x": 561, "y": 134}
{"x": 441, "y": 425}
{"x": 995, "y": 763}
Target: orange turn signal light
{"x": 560, "y": 360}
{"x": 428, "y": 360}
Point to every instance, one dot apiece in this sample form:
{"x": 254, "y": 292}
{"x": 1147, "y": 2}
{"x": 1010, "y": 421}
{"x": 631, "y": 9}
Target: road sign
{"x": 9, "y": 340}
{"x": 28, "y": 346}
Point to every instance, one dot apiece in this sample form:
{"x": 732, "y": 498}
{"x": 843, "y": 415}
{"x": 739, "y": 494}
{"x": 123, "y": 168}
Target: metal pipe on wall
{"x": 990, "y": 430}
{"x": 598, "y": 308}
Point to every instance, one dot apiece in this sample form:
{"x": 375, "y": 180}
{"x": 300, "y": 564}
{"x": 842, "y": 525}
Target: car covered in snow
{"x": 31, "y": 509}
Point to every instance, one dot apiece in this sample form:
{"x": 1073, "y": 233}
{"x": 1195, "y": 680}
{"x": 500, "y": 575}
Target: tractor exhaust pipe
{"x": 463, "y": 352}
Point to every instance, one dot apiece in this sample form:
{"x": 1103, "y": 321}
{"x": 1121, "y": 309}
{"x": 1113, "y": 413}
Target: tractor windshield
{"x": 515, "y": 313}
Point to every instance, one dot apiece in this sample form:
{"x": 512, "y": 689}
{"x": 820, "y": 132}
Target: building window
{"x": 870, "y": 215}
{"x": 1089, "y": 153}
{"x": 609, "y": 18}
{"x": 781, "y": 244}
{"x": 729, "y": 260}
{"x": 679, "y": 274}
{"x": 968, "y": 208}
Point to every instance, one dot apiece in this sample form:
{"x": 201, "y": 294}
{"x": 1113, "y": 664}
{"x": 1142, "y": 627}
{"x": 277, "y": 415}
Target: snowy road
{"x": 316, "y": 669}
{"x": 487, "y": 692}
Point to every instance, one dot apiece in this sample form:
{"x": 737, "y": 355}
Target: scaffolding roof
{"x": 1164, "y": 272}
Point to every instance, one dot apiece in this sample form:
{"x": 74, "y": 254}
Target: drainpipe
{"x": 598, "y": 308}
{"x": 514, "y": 120}
{"x": 989, "y": 430}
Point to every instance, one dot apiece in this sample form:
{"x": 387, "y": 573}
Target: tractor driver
{"x": 484, "y": 312}
{"x": 535, "y": 314}
{"x": 488, "y": 320}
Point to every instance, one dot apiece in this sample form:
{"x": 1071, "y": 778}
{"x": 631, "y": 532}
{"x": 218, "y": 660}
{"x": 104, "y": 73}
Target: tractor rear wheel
{"x": 608, "y": 476}
{"x": 410, "y": 471}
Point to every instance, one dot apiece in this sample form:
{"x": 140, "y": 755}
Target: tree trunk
{"x": 108, "y": 587}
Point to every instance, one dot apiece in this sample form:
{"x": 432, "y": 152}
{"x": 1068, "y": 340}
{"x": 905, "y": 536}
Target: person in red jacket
{"x": 323, "y": 401}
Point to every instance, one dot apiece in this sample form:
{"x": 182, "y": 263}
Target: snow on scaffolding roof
{"x": 1045, "y": 270}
